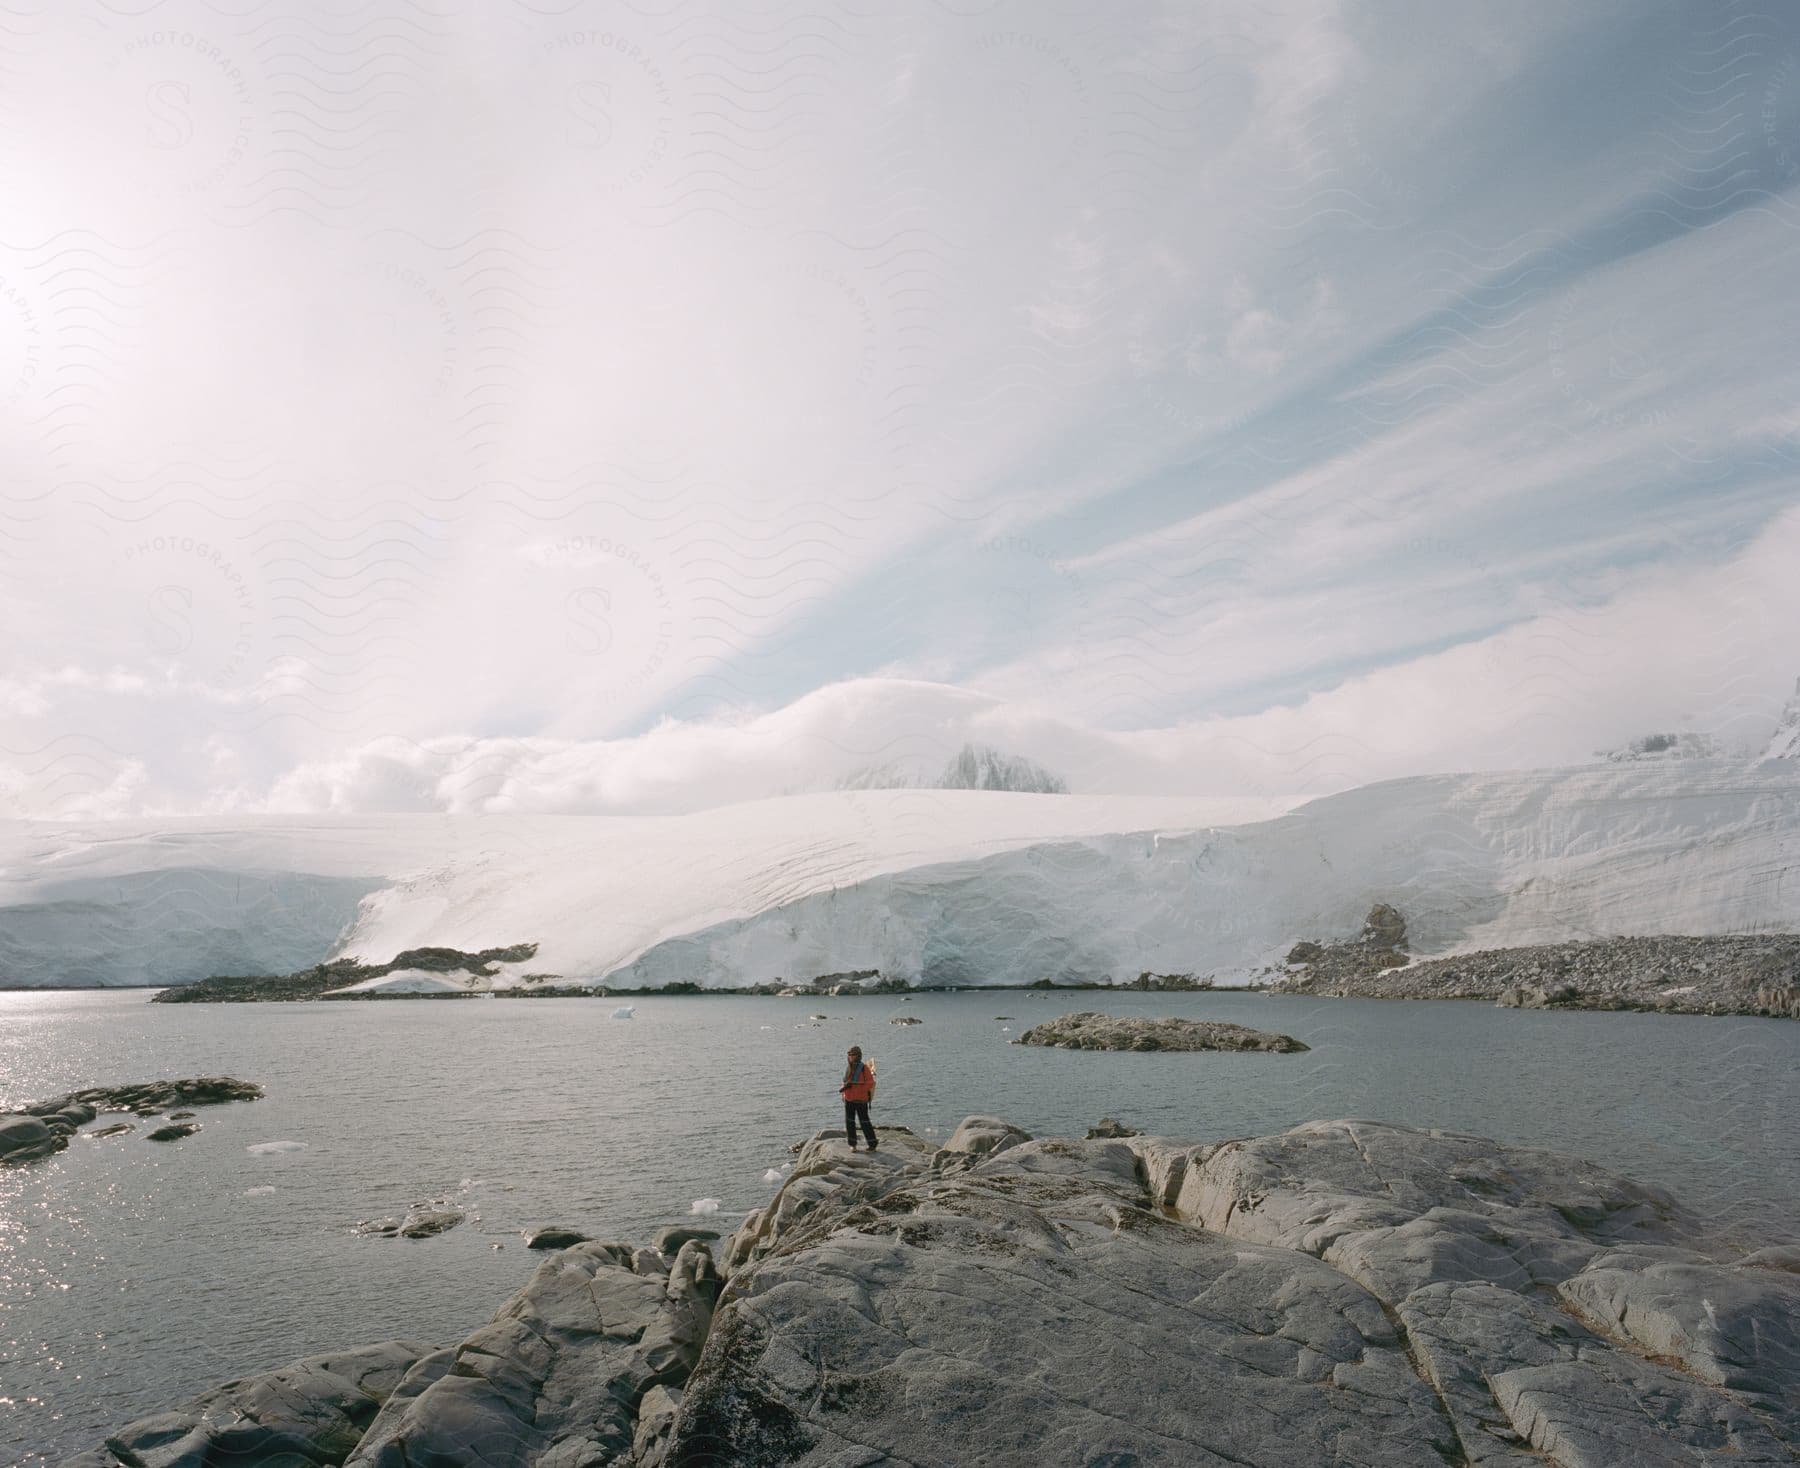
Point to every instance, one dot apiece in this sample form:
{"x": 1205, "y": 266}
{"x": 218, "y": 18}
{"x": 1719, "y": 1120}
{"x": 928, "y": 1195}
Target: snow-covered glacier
{"x": 945, "y": 886}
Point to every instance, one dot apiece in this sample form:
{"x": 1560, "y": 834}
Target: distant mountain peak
{"x": 973, "y": 767}
{"x": 982, "y": 767}
{"x": 1687, "y": 745}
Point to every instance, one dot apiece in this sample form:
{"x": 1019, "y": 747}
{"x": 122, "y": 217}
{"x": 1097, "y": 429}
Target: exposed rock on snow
{"x": 312, "y": 1412}
{"x": 1784, "y": 743}
{"x": 1380, "y": 946}
{"x": 417, "y": 971}
{"x": 1090, "y": 1031}
{"x": 1665, "y": 747}
{"x": 973, "y": 767}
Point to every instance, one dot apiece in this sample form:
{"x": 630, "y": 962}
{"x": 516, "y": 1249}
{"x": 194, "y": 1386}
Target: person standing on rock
{"x": 858, "y": 1091}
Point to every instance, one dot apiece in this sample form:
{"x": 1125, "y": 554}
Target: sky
{"x": 637, "y": 407}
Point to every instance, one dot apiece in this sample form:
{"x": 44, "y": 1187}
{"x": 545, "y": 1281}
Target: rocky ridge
{"x": 1090, "y": 1031}
{"x": 1345, "y": 1292}
{"x": 1750, "y": 974}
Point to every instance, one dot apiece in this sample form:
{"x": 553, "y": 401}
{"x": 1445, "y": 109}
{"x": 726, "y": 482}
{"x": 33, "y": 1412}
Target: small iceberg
{"x": 705, "y": 1205}
{"x": 624, "y": 1011}
{"x": 262, "y": 1192}
{"x": 269, "y": 1149}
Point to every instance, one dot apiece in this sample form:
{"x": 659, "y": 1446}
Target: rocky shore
{"x": 1345, "y": 1292}
{"x": 44, "y": 1128}
{"x": 1732, "y": 974}
{"x": 1090, "y": 1031}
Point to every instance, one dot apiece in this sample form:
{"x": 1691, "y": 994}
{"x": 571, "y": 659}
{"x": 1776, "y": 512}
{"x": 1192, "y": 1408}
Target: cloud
{"x": 631, "y": 418}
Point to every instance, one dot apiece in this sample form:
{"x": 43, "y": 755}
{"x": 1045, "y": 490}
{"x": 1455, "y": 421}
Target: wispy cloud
{"x": 517, "y": 410}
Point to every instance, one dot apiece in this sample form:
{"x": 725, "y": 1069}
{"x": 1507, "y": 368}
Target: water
{"x": 134, "y": 1275}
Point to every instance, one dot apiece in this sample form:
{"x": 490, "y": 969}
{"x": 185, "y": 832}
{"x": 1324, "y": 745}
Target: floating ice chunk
{"x": 261, "y": 1192}
{"x": 624, "y": 1011}
{"x": 267, "y": 1149}
{"x": 705, "y": 1205}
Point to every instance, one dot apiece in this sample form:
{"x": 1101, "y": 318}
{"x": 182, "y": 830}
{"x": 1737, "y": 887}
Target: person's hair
{"x": 855, "y": 1059}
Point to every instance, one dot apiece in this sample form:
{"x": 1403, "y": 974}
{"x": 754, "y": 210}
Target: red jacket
{"x": 861, "y": 1085}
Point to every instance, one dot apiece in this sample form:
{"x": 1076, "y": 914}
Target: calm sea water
{"x": 134, "y": 1275}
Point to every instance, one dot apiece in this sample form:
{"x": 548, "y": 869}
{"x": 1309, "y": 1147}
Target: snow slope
{"x": 143, "y": 902}
{"x": 939, "y": 885}
{"x": 1474, "y": 861}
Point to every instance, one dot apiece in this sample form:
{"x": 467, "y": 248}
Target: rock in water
{"x": 1343, "y": 1293}
{"x": 555, "y": 1238}
{"x": 173, "y": 1133}
{"x": 422, "y": 1221}
{"x": 27, "y": 1138}
{"x": 1108, "y": 1127}
{"x": 1090, "y": 1031}
{"x": 558, "y": 1377}
{"x": 314, "y": 1411}
{"x": 45, "y": 1127}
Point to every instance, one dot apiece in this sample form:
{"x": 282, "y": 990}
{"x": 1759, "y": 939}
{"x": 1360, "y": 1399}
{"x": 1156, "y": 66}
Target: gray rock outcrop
{"x": 565, "y": 1376}
{"x": 1380, "y": 946}
{"x": 1346, "y": 1292}
{"x": 1090, "y": 1031}
{"x": 312, "y": 1412}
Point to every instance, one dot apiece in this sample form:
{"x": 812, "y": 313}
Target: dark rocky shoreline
{"x": 1344, "y": 1292}
{"x": 1733, "y": 974}
{"x": 1751, "y": 974}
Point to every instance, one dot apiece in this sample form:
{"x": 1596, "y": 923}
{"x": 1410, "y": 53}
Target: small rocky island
{"x": 1344, "y": 1292}
{"x": 1090, "y": 1031}
{"x": 44, "y": 1128}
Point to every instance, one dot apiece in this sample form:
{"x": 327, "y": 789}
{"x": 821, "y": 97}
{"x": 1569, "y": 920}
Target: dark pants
{"x": 855, "y": 1111}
